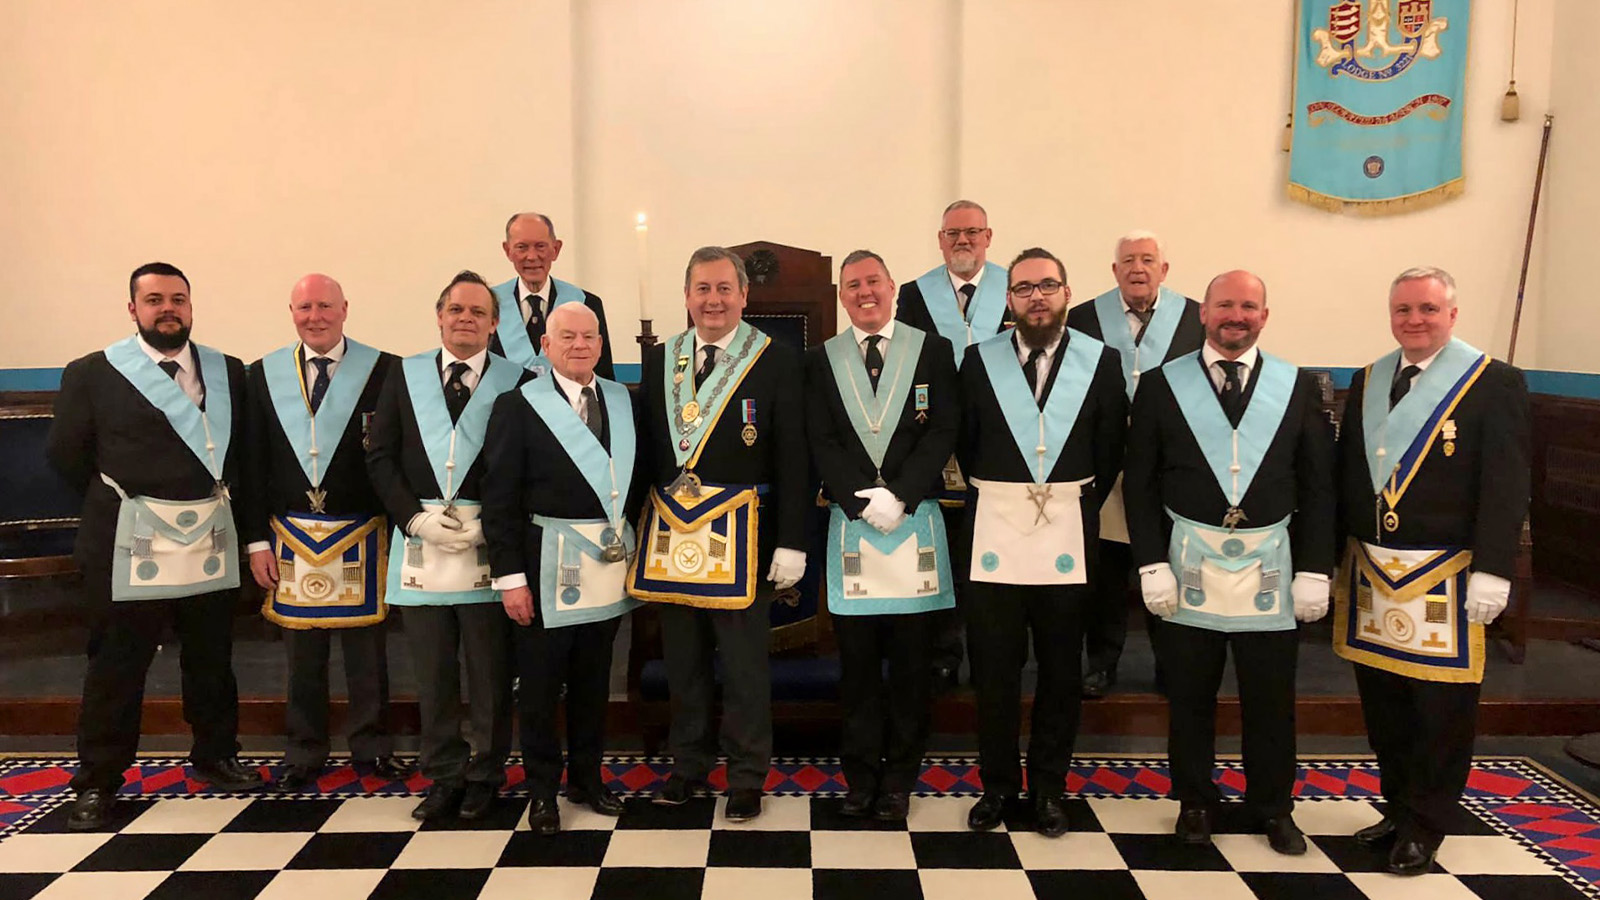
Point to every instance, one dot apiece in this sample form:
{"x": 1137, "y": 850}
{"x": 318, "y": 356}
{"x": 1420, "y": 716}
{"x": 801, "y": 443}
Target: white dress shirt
{"x": 188, "y": 378}
{"x": 336, "y": 354}
{"x": 1421, "y": 366}
{"x": 475, "y": 364}
{"x": 720, "y": 343}
{"x": 526, "y": 299}
{"x": 957, "y": 282}
{"x": 1042, "y": 376}
{"x": 1212, "y": 358}
{"x": 886, "y": 332}
{"x": 1133, "y": 318}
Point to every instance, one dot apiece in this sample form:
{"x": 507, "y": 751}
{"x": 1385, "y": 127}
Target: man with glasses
{"x": 964, "y": 302}
{"x": 1041, "y": 441}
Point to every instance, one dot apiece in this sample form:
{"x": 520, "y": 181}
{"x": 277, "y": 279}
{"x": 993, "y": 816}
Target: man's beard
{"x": 163, "y": 341}
{"x": 1243, "y": 343}
{"x": 1038, "y": 337}
{"x": 964, "y": 263}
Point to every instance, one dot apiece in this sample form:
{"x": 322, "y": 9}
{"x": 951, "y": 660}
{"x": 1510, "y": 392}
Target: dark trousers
{"x": 999, "y": 618}
{"x": 366, "y": 678}
{"x": 578, "y": 656}
{"x": 1422, "y": 733}
{"x": 1105, "y": 618}
{"x": 948, "y": 626}
{"x": 122, "y": 642}
{"x": 1264, "y": 661}
{"x": 885, "y": 728}
{"x": 738, "y": 637}
{"x": 442, "y": 639}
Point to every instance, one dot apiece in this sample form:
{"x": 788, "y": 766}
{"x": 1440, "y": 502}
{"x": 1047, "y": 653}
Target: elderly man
{"x": 149, "y": 430}
{"x": 883, "y": 412}
{"x": 315, "y": 528}
{"x": 526, "y": 301}
{"x": 1041, "y": 441}
{"x": 1433, "y": 487}
{"x": 724, "y": 425}
{"x": 424, "y": 463}
{"x": 963, "y": 301}
{"x": 559, "y": 495}
{"x": 1230, "y": 493}
{"x": 1147, "y": 324}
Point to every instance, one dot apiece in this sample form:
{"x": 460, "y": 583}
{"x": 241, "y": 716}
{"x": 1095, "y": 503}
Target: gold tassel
{"x": 1511, "y": 104}
{"x": 1288, "y": 133}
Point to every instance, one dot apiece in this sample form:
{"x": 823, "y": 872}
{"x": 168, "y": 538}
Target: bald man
{"x": 527, "y": 301}
{"x": 314, "y": 527}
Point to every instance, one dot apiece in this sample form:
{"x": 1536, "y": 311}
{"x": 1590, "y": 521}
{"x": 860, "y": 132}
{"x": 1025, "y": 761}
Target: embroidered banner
{"x": 1378, "y": 104}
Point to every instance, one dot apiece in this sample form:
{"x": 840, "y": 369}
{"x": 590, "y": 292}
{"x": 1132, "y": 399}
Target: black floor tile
{"x": 1166, "y": 852}
{"x": 865, "y": 884}
{"x": 376, "y": 850}
{"x": 1301, "y": 886}
{"x": 266, "y": 815}
{"x": 825, "y": 817}
{"x": 23, "y": 887}
{"x": 964, "y": 850}
{"x": 649, "y": 884}
{"x": 142, "y": 853}
{"x": 639, "y": 812}
{"x": 122, "y": 812}
{"x": 432, "y": 884}
{"x": 568, "y": 848}
{"x": 760, "y": 849}
{"x": 212, "y": 885}
{"x": 1111, "y": 884}
{"x": 1521, "y": 887}
{"x": 502, "y": 816}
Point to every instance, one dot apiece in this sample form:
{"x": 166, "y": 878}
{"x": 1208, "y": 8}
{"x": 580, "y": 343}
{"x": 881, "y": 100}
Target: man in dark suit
{"x": 1434, "y": 480}
{"x": 883, "y": 410}
{"x": 424, "y": 464}
{"x": 1202, "y": 505}
{"x": 526, "y": 301}
{"x": 315, "y": 527}
{"x": 149, "y": 431}
{"x": 559, "y": 493}
{"x": 724, "y": 429}
{"x": 963, "y": 301}
{"x": 1147, "y": 324}
{"x": 1041, "y": 441}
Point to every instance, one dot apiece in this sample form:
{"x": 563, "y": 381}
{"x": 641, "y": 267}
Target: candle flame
{"x": 640, "y": 220}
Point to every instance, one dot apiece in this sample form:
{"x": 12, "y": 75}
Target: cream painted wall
{"x": 386, "y": 143}
{"x": 248, "y": 144}
{"x": 1566, "y": 313}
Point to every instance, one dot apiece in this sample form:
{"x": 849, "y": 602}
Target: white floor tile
{"x": 322, "y": 884}
{"x": 1383, "y": 886}
{"x": 765, "y": 884}
{"x": 1490, "y": 855}
{"x": 453, "y": 850}
{"x": 1336, "y": 817}
{"x": 965, "y": 884}
{"x": 1252, "y": 853}
{"x": 47, "y": 852}
{"x": 657, "y": 849}
{"x": 941, "y": 814}
{"x": 576, "y": 818}
{"x": 198, "y": 815}
{"x": 1135, "y": 816}
{"x": 1191, "y": 885}
{"x": 862, "y": 850}
{"x": 245, "y": 852}
{"x": 373, "y": 814}
{"x": 777, "y": 814}
{"x": 1073, "y": 850}
{"x": 560, "y": 883}
{"x": 101, "y": 886}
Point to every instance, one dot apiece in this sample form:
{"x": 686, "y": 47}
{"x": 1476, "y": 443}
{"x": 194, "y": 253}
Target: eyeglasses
{"x": 971, "y": 234}
{"x": 1022, "y": 290}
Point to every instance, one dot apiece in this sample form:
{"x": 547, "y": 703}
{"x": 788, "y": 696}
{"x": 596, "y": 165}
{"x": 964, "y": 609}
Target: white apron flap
{"x": 432, "y": 569}
{"x": 1023, "y": 533}
{"x": 582, "y": 581}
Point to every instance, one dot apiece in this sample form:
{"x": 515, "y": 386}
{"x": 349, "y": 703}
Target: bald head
{"x": 1234, "y": 312}
{"x": 572, "y": 341}
{"x": 318, "y": 307}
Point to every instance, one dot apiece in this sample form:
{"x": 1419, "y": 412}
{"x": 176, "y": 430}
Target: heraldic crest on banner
{"x": 1377, "y": 104}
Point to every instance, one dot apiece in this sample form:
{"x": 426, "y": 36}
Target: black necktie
{"x": 456, "y": 392}
{"x": 1144, "y": 321}
{"x": 967, "y": 290}
{"x": 1402, "y": 385}
{"x": 169, "y": 366}
{"x": 591, "y": 413}
{"x": 1232, "y": 390}
{"x": 535, "y": 316}
{"x": 704, "y": 371}
{"x": 874, "y": 360}
{"x": 319, "y": 386}
{"x": 1030, "y": 370}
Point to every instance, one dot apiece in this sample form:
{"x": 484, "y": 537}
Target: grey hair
{"x": 964, "y": 204}
{"x": 862, "y": 256}
{"x": 710, "y": 255}
{"x": 540, "y": 216}
{"x": 1419, "y": 273}
{"x": 570, "y": 309}
{"x": 1139, "y": 234}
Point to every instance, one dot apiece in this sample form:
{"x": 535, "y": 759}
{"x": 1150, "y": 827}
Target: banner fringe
{"x": 1389, "y": 207}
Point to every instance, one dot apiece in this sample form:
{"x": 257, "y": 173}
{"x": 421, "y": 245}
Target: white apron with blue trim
{"x": 1234, "y": 580}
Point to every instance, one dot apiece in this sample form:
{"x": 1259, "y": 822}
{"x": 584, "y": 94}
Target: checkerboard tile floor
{"x": 1526, "y": 836}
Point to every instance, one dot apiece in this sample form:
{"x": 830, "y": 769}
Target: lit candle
{"x": 642, "y": 229}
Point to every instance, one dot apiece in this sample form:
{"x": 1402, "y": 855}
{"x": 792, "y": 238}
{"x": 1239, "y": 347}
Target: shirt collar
{"x": 336, "y": 354}
{"x": 886, "y": 332}
{"x": 1024, "y": 351}
{"x": 1128, "y": 309}
{"x": 720, "y": 343}
{"x": 543, "y": 293}
{"x": 1421, "y": 365}
{"x": 1210, "y": 356}
{"x": 956, "y": 281}
{"x": 475, "y": 362}
{"x": 183, "y": 358}
{"x": 572, "y": 389}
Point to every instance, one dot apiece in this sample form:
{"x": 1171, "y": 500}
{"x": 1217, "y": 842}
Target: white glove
{"x": 470, "y": 535}
{"x": 1487, "y": 596}
{"x": 788, "y": 567}
{"x": 1160, "y": 589}
{"x": 434, "y": 527}
{"x": 1310, "y": 593}
{"x": 884, "y": 510}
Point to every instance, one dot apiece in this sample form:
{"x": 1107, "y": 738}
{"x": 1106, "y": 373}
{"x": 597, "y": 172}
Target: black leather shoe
{"x": 1049, "y": 816}
{"x": 1194, "y": 825}
{"x": 988, "y": 812}
{"x": 1380, "y": 834}
{"x": 600, "y": 800}
{"x": 892, "y": 806}
{"x": 544, "y": 817}
{"x": 1284, "y": 836}
{"x": 477, "y": 801}
{"x": 857, "y": 805}
{"x": 1096, "y": 685}
{"x": 744, "y": 804}
{"x": 394, "y": 768}
{"x": 296, "y": 779}
{"x": 1411, "y": 857}
{"x": 227, "y": 775}
{"x": 442, "y": 802}
{"x": 92, "y": 810}
{"x": 676, "y": 792}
